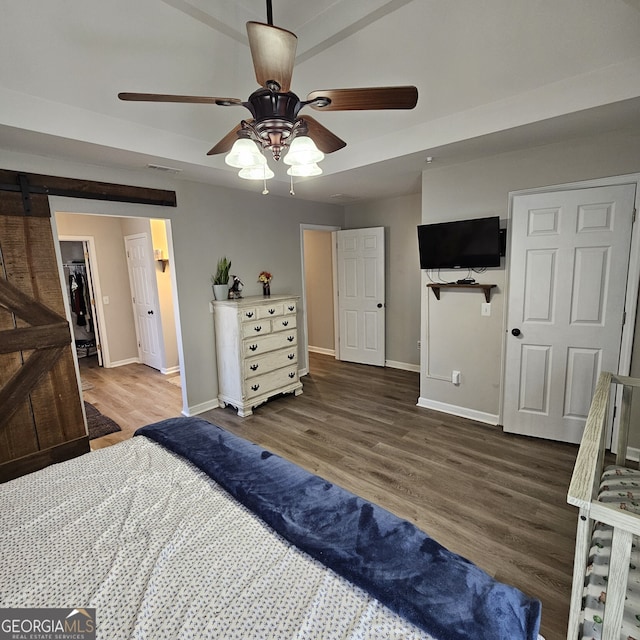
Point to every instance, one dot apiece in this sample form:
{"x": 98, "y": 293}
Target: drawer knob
{"x": 291, "y": 356}
{"x": 259, "y": 328}
{"x": 290, "y": 338}
{"x": 285, "y": 323}
{"x": 292, "y": 375}
{"x": 291, "y": 308}
{"x": 254, "y": 367}
{"x": 272, "y": 311}
{"x": 253, "y": 347}
{"x": 255, "y": 387}
{"x": 249, "y": 314}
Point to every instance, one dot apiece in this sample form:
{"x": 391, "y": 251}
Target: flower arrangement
{"x": 265, "y": 278}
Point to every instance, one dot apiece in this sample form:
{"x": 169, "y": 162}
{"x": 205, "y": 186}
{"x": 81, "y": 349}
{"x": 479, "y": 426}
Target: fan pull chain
{"x": 291, "y": 191}
{"x": 265, "y": 191}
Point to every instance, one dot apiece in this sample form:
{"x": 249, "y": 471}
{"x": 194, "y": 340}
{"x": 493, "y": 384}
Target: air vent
{"x": 160, "y": 167}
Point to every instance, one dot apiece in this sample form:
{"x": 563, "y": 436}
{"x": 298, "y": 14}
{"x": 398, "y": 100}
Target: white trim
{"x": 170, "y": 370}
{"x": 201, "y": 408}
{"x": 405, "y": 366}
{"x": 122, "y": 363}
{"x": 322, "y": 350}
{"x": 633, "y": 453}
{"x": 463, "y": 412}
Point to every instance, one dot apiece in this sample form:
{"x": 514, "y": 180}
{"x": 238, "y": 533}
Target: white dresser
{"x": 257, "y": 350}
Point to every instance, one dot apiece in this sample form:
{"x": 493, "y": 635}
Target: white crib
{"x": 605, "y": 595}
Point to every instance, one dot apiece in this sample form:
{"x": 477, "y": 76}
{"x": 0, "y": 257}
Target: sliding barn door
{"x": 41, "y": 417}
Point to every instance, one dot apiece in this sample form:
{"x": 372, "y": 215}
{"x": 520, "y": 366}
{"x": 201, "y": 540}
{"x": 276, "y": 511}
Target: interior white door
{"x": 143, "y": 293}
{"x": 568, "y": 276}
{"x": 361, "y": 295}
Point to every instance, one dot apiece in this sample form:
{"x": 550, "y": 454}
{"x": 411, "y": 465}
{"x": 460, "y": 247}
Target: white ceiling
{"x": 492, "y": 75}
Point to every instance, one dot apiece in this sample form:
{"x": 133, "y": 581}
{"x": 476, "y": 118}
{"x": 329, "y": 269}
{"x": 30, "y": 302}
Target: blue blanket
{"x": 413, "y": 575}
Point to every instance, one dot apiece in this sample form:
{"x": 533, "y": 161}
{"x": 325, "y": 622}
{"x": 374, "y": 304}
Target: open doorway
{"x": 319, "y": 290}
{"x": 78, "y": 255}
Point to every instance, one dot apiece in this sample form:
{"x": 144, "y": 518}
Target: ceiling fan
{"x": 276, "y": 123}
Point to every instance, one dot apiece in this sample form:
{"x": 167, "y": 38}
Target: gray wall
{"x": 454, "y": 334}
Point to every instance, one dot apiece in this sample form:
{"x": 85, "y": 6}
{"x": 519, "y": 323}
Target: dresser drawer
{"x": 260, "y": 345}
{"x": 274, "y": 360}
{"x": 284, "y": 323}
{"x": 271, "y": 381}
{"x": 248, "y": 313}
{"x": 270, "y": 310}
{"x": 255, "y": 328}
{"x": 290, "y": 307}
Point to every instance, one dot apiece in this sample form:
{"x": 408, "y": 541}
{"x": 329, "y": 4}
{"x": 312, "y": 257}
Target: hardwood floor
{"x": 133, "y": 395}
{"x": 495, "y": 498}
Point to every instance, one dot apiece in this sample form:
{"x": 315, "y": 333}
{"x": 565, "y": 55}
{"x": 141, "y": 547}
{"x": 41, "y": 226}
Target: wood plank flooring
{"x": 133, "y": 395}
{"x": 495, "y": 498}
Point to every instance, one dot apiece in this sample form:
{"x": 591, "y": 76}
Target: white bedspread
{"x": 162, "y": 552}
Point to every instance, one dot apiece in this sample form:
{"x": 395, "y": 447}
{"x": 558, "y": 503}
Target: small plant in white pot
{"x": 220, "y": 279}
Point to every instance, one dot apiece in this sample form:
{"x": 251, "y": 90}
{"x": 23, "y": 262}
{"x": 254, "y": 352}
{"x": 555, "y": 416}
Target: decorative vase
{"x": 266, "y": 289}
{"x": 220, "y": 291}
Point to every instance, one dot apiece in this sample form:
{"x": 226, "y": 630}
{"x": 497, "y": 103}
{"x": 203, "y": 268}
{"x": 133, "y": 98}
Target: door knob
{"x": 150, "y": 312}
{"x": 379, "y": 305}
{"x": 515, "y": 332}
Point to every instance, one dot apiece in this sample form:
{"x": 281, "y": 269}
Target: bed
{"x": 188, "y": 531}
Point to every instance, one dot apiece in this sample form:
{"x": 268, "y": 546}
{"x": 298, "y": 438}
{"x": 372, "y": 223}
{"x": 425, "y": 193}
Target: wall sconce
{"x": 157, "y": 254}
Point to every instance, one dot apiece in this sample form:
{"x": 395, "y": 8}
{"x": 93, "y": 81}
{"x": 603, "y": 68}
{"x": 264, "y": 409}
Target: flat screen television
{"x": 462, "y": 244}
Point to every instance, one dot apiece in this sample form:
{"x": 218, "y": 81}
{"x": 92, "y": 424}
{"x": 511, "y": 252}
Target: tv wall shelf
{"x": 436, "y": 286}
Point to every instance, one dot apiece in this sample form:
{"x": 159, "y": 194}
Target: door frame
{"x": 97, "y": 292}
{"x": 328, "y": 228}
{"x": 632, "y": 288}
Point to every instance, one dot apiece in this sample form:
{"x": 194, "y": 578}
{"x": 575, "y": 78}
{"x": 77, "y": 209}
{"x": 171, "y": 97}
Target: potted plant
{"x": 220, "y": 279}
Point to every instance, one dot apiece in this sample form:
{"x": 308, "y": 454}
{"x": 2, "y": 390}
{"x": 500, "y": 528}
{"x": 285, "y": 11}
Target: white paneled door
{"x": 568, "y": 276}
{"x": 144, "y": 298}
{"x": 361, "y": 295}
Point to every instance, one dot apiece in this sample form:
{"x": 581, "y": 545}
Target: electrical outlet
{"x": 455, "y": 377}
{"x": 485, "y": 310}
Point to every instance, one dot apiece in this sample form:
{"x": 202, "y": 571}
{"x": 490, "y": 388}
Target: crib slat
{"x": 617, "y": 584}
{"x": 581, "y": 557}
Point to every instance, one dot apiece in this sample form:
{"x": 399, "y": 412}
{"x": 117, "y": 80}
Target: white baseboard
{"x": 463, "y": 412}
{"x": 405, "y": 366}
{"x": 170, "y": 370}
{"x": 322, "y": 350}
{"x": 201, "y": 408}
{"x": 122, "y": 363}
{"x": 633, "y": 454}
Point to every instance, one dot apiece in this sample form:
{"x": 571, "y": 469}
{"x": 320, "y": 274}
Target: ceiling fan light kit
{"x": 275, "y": 126}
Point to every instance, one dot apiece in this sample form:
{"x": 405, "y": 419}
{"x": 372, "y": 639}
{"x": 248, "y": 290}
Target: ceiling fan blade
{"x": 226, "y": 143}
{"x": 326, "y": 141}
{"x": 273, "y": 51}
{"x": 163, "y": 97}
{"x": 366, "y": 98}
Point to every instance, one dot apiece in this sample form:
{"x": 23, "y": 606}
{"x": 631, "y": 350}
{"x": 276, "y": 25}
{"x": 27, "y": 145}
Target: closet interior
{"x": 77, "y": 274}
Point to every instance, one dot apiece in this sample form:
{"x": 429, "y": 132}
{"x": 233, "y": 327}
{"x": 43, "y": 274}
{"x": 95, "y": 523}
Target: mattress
{"x": 188, "y": 531}
{"x": 161, "y": 551}
{"x": 622, "y": 486}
